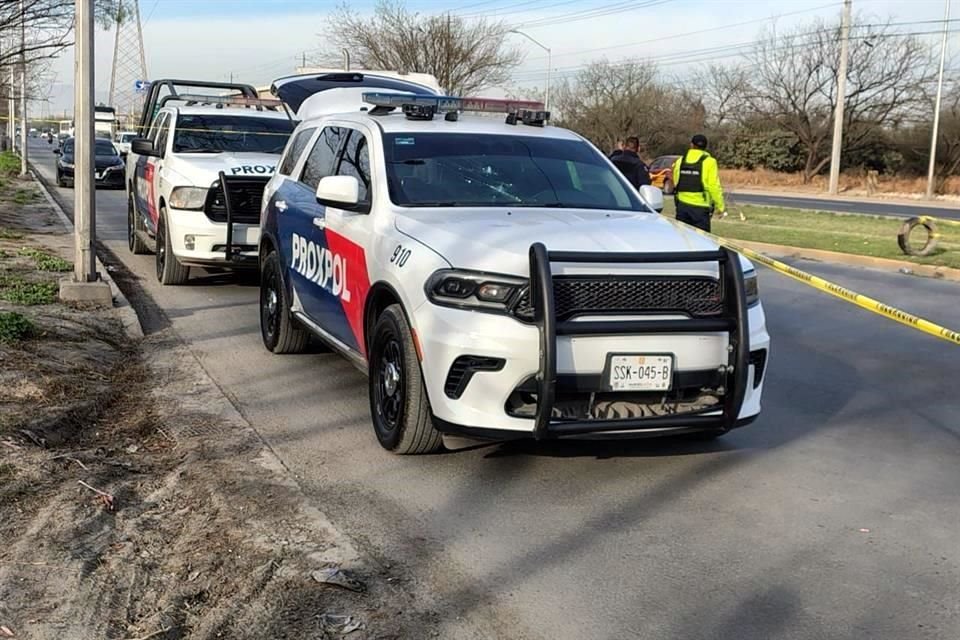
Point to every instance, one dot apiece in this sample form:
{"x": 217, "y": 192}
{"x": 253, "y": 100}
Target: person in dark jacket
{"x": 630, "y": 165}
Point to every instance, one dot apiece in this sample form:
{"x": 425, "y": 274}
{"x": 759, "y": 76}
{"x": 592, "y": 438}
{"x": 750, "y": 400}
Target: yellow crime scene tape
{"x": 865, "y": 302}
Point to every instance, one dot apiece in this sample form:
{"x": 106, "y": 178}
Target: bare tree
{"x": 795, "y": 84}
{"x": 722, "y": 89}
{"x": 46, "y": 27}
{"x": 465, "y": 56}
{"x": 608, "y": 101}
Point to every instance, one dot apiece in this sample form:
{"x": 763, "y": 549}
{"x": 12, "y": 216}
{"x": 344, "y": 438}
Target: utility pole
{"x": 84, "y": 204}
{"x": 12, "y": 106}
{"x": 841, "y": 96}
{"x": 23, "y": 91}
{"x": 936, "y": 108}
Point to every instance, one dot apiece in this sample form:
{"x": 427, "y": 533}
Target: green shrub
{"x": 18, "y": 291}
{"x": 46, "y": 261}
{"x": 14, "y": 327}
{"x": 9, "y": 163}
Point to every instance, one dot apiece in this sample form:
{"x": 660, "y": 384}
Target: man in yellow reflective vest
{"x": 697, "y": 185}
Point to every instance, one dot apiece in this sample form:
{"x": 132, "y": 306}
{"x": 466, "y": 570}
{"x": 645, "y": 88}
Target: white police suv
{"x": 175, "y": 199}
{"x": 498, "y": 278}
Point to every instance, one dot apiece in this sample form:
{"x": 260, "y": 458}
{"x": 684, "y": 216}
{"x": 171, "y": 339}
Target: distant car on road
{"x": 661, "y": 173}
{"x": 109, "y": 169}
{"x": 123, "y": 141}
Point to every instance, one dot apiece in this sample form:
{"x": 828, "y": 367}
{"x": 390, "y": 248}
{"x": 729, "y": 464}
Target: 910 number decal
{"x": 400, "y": 256}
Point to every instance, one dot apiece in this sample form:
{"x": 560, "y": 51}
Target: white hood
{"x": 202, "y": 169}
{"x": 498, "y": 240}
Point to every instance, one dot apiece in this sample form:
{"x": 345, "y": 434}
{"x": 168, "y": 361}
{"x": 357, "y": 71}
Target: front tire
{"x": 399, "y": 405}
{"x": 169, "y": 269}
{"x": 668, "y": 187}
{"x": 134, "y": 226}
{"x": 278, "y": 328}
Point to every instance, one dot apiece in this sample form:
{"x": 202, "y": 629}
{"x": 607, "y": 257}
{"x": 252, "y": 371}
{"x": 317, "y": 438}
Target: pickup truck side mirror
{"x": 341, "y": 192}
{"x": 143, "y": 147}
{"x": 653, "y": 197}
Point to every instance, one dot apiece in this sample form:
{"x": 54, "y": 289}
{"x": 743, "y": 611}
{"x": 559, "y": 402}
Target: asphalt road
{"x": 848, "y": 206}
{"x": 836, "y": 515}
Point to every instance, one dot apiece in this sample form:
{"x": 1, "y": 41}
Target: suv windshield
{"x": 463, "y": 170}
{"x": 215, "y": 133}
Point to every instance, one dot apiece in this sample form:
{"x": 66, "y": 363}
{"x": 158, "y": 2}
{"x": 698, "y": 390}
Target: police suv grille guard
{"x": 225, "y": 184}
{"x": 732, "y": 320}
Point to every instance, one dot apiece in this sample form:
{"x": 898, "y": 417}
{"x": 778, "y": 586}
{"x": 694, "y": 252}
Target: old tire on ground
{"x": 278, "y": 328}
{"x": 169, "y": 269}
{"x": 903, "y": 238}
{"x": 134, "y": 240}
{"x": 399, "y": 406}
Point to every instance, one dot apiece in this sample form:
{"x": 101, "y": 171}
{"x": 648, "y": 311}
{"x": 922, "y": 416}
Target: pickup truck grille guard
{"x": 241, "y": 183}
{"x": 732, "y": 320}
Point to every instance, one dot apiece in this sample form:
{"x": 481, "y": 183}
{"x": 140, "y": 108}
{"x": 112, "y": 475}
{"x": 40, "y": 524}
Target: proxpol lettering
{"x": 320, "y": 266}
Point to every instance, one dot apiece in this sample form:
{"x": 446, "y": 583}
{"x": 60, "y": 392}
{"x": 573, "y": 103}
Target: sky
{"x": 259, "y": 40}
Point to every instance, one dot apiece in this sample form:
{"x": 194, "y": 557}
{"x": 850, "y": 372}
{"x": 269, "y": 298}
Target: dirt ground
{"x": 136, "y": 503}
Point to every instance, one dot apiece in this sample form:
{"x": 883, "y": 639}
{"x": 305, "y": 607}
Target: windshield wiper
{"x": 439, "y": 203}
{"x": 199, "y": 151}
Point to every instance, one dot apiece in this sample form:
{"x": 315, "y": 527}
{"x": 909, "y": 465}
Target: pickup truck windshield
{"x": 464, "y": 170}
{"x": 216, "y": 133}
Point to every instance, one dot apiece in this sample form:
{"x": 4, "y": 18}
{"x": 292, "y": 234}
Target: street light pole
{"x": 841, "y": 96}
{"x": 936, "y": 109}
{"x": 546, "y": 97}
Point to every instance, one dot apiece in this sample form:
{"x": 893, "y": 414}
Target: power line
{"x": 689, "y": 33}
{"x": 691, "y": 56}
{"x": 598, "y": 12}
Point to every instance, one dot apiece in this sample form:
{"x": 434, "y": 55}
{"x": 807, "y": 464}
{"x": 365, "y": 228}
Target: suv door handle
{"x": 281, "y": 205}
{"x": 320, "y": 223}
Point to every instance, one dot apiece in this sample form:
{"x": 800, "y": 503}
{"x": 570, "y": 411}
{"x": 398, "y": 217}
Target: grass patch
{"x": 10, "y": 234}
{"x": 855, "y": 234}
{"x": 46, "y": 261}
{"x": 14, "y": 327}
{"x": 19, "y": 291}
{"x": 25, "y": 196}
{"x": 9, "y": 163}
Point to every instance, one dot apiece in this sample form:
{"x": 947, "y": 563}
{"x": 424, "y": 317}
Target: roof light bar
{"x": 418, "y": 107}
{"x": 244, "y": 101}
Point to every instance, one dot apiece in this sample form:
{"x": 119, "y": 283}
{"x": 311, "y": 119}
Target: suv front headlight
{"x": 188, "y": 198}
{"x": 474, "y": 290}
{"x": 751, "y": 287}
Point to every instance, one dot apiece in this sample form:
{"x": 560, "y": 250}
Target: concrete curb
{"x": 906, "y": 202}
{"x": 128, "y": 316}
{"x": 886, "y": 264}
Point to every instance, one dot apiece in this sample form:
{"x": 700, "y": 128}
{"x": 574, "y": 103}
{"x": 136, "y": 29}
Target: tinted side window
{"x": 356, "y": 162}
{"x": 294, "y": 150}
{"x": 320, "y": 162}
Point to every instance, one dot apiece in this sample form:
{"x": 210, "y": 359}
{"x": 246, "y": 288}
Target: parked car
{"x": 661, "y": 173}
{"x": 109, "y": 169}
{"x": 501, "y": 279}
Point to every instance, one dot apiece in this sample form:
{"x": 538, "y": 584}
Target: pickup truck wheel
{"x": 169, "y": 269}
{"x": 135, "y": 240}
{"x": 398, "y": 399}
{"x": 278, "y": 328}
{"x": 668, "y": 187}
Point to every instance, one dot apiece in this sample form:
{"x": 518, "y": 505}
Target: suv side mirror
{"x": 341, "y": 192}
{"x": 56, "y": 152}
{"x": 653, "y": 197}
{"x": 143, "y": 147}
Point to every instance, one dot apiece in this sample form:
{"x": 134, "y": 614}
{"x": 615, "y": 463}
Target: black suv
{"x": 109, "y": 171}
